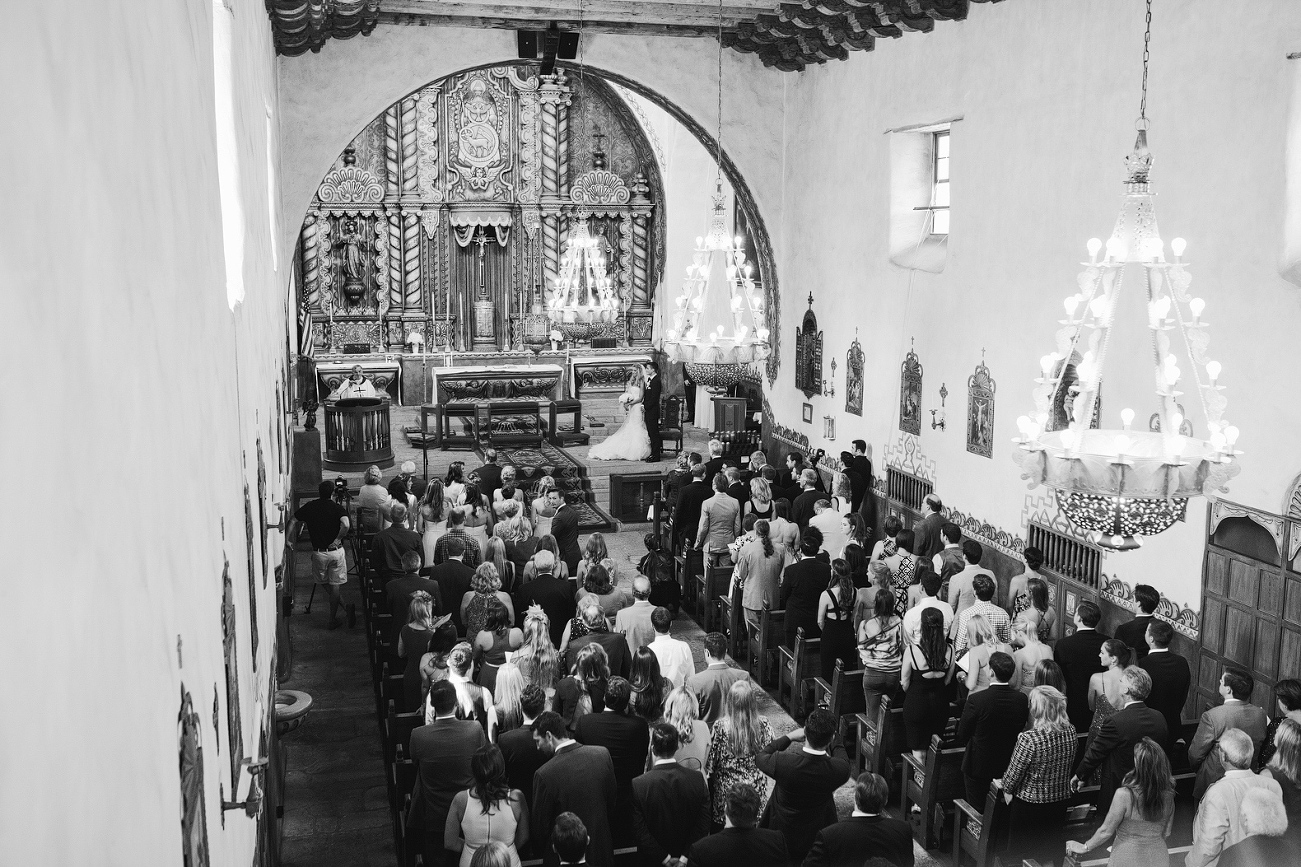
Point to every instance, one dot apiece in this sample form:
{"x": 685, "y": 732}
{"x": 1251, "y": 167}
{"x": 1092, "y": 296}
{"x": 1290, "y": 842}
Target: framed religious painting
{"x": 808, "y": 354}
{"x": 194, "y": 819}
{"x": 980, "y": 411}
{"x": 234, "y": 723}
{"x": 808, "y": 413}
{"x": 910, "y": 394}
{"x": 854, "y": 378}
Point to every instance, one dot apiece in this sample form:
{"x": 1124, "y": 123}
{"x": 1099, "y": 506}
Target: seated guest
{"x": 1077, "y": 656}
{"x": 575, "y": 779}
{"x": 595, "y": 552}
{"x": 397, "y": 592}
{"x": 1036, "y": 783}
{"x": 1266, "y": 826}
{"x": 740, "y": 842}
{"x": 670, "y": 803}
{"x": 650, "y": 689}
{"x": 484, "y": 595}
{"x": 983, "y": 587}
{"x": 589, "y": 626}
{"x": 1112, "y": 749}
{"x": 471, "y": 551}
{"x": 634, "y": 622}
{"x": 991, "y": 720}
{"x": 552, "y": 593}
{"x": 1237, "y": 712}
{"x": 454, "y": 576}
{"x": 518, "y": 748}
{"x": 1170, "y": 679}
{"x": 1141, "y": 814}
{"x": 599, "y": 582}
{"x": 490, "y": 811}
{"x": 803, "y": 801}
{"x": 548, "y": 543}
{"x": 802, "y": 584}
{"x": 1134, "y": 633}
{"x": 1219, "y": 822}
{"x": 924, "y": 677}
{"x": 1287, "y": 698}
{"x": 1285, "y": 769}
{"x": 441, "y": 751}
{"x": 388, "y": 546}
{"x": 867, "y": 830}
{"x": 627, "y": 739}
{"x": 373, "y": 497}
{"x": 569, "y": 840}
{"x": 676, "y": 663}
{"x": 583, "y": 692}
{"x": 712, "y": 683}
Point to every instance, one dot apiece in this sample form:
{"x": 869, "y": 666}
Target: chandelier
{"x": 1123, "y": 484}
{"x": 583, "y": 297}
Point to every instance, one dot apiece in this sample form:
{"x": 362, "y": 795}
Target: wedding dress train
{"x": 631, "y": 442}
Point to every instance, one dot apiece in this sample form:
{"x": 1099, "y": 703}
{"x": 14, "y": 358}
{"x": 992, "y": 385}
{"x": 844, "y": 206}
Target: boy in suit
{"x": 991, "y": 721}
{"x": 740, "y": 842}
{"x": 670, "y": 802}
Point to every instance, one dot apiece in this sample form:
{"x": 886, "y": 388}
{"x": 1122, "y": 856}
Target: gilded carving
{"x": 411, "y": 260}
{"x": 307, "y": 239}
{"x": 392, "y": 141}
{"x": 381, "y": 247}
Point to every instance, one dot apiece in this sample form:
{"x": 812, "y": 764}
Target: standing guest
{"x": 856, "y": 533}
{"x": 836, "y": 621}
{"x": 1236, "y": 712}
{"x": 990, "y": 722}
{"x": 715, "y": 681}
{"x": 569, "y": 840}
{"x": 495, "y": 553}
{"x": 1219, "y": 822}
{"x": 1140, "y": 816}
{"x": 927, "y": 530}
{"x": 583, "y": 692}
{"x": 842, "y": 493}
{"x": 1285, "y": 769}
{"x": 1104, "y": 688}
{"x": 737, "y": 489}
{"x": 537, "y": 658}
{"x": 802, "y": 802}
{"x": 634, "y": 622}
{"x": 983, "y": 586}
{"x": 677, "y": 478}
{"x": 1029, "y": 652}
{"x": 490, "y": 811}
{"x": 508, "y": 688}
{"x": 950, "y": 556}
{"x": 494, "y": 641}
{"x": 802, "y": 507}
{"x": 759, "y": 568}
{"x": 758, "y": 460}
{"x": 912, "y": 619}
{"x": 832, "y": 526}
{"x": 553, "y": 594}
{"x": 627, "y": 739}
{"x": 599, "y": 583}
{"x": 681, "y": 710}
{"x": 433, "y": 664}
{"x": 737, "y": 737}
{"x": 575, "y": 779}
{"x": 589, "y": 626}
{"x": 472, "y": 551}
{"x": 397, "y": 592}
{"x": 984, "y": 643}
{"x": 1077, "y": 656}
{"x": 564, "y": 526}
{"x": 887, "y": 546}
{"x": 441, "y": 751}
{"x": 867, "y": 830}
{"x": 1287, "y": 697}
{"x": 521, "y": 752}
{"x": 327, "y": 523}
{"x": 924, "y": 677}
{"x": 373, "y": 497}
{"x": 649, "y": 687}
{"x": 1267, "y": 840}
{"x": 400, "y": 495}
{"x": 802, "y": 585}
{"x": 454, "y": 483}
{"x": 652, "y": 394}
{"x": 545, "y": 506}
{"x": 760, "y": 501}
{"x": 785, "y": 532}
{"x": 1039, "y": 613}
{"x": 473, "y": 701}
{"x": 1134, "y": 633}
{"x": 432, "y": 519}
{"x": 739, "y": 841}
{"x": 880, "y": 649}
{"x": 715, "y": 464}
{"x": 857, "y": 484}
{"x": 869, "y": 579}
{"x": 1049, "y": 673}
{"x": 1170, "y": 679}
{"x": 388, "y": 545}
{"x": 686, "y": 511}
{"x": 720, "y": 522}
{"x": 747, "y": 536}
{"x": 670, "y": 803}
{"x": 657, "y": 565}
{"x": 903, "y": 570}
{"x": 1113, "y": 749}
{"x": 789, "y": 477}
{"x": 595, "y": 553}
{"x": 1018, "y": 598}
{"x": 478, "y": 515}
{"x": 484, "y": 595}
{"x": 413, "y": 641}
{"x": 962, "y": 586}
{"x": 489, "y": 475}
{"x": 558, "y": 567}
{"x": 1037, "y": 783}
{"x": 492, "y": 854}
{"x": 453, "y": 575}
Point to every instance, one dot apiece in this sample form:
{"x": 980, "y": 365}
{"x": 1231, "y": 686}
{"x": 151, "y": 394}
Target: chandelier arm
{"x": 1168, "y": 402}
{"x": 1083, "y": 419}
{"x": 1184, "y": 330}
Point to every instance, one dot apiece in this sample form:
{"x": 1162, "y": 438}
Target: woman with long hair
{"x": 682, "y": 711}
{"x": 631, "y": 442}
{"x": 649, "y": 688}
{"x": 472, "y": 701}
{"x": 492, "y": 854}
{"x": 1104, "y": 687}
{"x": 583, "y": 692}
{"x": 508, "y": 691}
{"x": 485, "y": 592}
{"x": 398, "y": 493}
{"x": 836, "y": 620}
{"x": 454, "y": 483}
{"x": 433, "y": 518}
{"x": 856, "y": 534}
{"x": 1284, "y": 766}
{"x": 735, "y": 740}
{"x": 546, "y": 543}
{"x": 494, "y": 640}
{"x": 1287, "y": 699}
{"x": 880, "y": 649}
{"x": 784, "y": 531}
{"x": 545, "y": 503}
{"x": 1048, "y": 673}
{"x": 855, "y": 556}
{"x": 760, "y": 502}
{"x": 1029, "y": 652}
{"x": 1037, "y": 612}
{"x": 1037, "y": 781}
{"x": 983, "y": 643}
{"x": 904, "y": 575}
{"x": 842, "y": 493}
{"x": 489, "y": 812}
{"x": 478, "y": 515}
{"x": 598, "y": 582}
{"x": 1018, "y": 589}
{"x": 537, "y": 658}
{"x": 924, "y": 675}
{"x": 519, "y": 543}
{"x": 759, "y": 566}
{"x": 495, "y": 553}
{"x": 412, "y": 641}
{"x": 1141, "y": 815}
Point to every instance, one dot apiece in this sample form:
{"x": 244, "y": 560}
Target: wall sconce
{"x": 829, "y": 385}
{"x": 279, "y": 508}
{"x": 252, "y": 803}
{"x": 937, "y": 415}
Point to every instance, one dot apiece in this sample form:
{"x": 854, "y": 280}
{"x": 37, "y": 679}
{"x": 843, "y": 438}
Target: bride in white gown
{"x": 631, "y": 442}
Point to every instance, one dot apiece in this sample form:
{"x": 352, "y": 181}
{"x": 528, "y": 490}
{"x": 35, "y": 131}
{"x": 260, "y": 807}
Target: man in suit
{"x": 1221, "y": 815}
{"x": 441, "y": 752}
{"x": 670, "y": 803}
{"x": 740, "y": 842}
{"x": 991, "y": 721}
{"x": 809, "y": 570}
{"x": 453, "y": 577}
{"x": 627, "y": 739}
{"x": 802, "y": 802}
{"x": 569, "y": 839}
{"x": 523, "y": 758}
{"x": 927, "y": 530}
{"x": 716, "y": 461}
{"x": 720, "y": 523}
{"x": 857, "y": 484}
{"x": 555, "y": 595}
{"x": 634, "y": 622}
{"x": 398, "y": 593}
{"x": 388, "y": 545}
{"x": 564, "y": 526}
{"x": 863, "y": 466}
{"x": 1113, "y": 747}
{"x": 616, "y": 646}
{"x": 715, "y": 681}
{"x": 802, "y": 509}
{"x": 737, "y": 488}
{"x": 489, "y": 475}
{"x": 1170, "y": 679}
{"x": 867, "y": 831}
{"x": 1134, "y": 633}
{"x": 1237, "y": 712}
{"x": 787, "y": 485}
{"x": 686, "y": 512}
{"x": 1077, "y": 656}
{"x": 575, "y": 779}
{"x": 650, "y": 401}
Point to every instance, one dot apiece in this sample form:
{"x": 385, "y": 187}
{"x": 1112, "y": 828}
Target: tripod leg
{"x": 308, "y": 609}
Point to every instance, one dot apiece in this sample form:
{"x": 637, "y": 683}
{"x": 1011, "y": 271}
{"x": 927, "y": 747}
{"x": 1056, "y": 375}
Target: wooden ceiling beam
{"x": 643, "y": 28}
{"x": 608, "y": 10}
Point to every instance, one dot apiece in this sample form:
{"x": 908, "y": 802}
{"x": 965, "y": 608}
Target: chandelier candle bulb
{"x": 1197, "y": 305}
{"x": 1213, "y": 371}
{"x": 1127, "y": 417}
{"x": 1177, "y": 246}
{"x": 1094, "y": 245}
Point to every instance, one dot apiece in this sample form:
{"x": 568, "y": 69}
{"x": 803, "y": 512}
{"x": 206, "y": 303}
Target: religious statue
{"x": 356, "y": 385}
{"x": 353, "y": 259}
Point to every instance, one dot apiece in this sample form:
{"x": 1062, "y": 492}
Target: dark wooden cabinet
{"x": 631, "y": 495}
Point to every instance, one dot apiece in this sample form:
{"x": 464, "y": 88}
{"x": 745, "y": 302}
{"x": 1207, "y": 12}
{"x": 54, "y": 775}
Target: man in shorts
{"x": 327, "y": 524}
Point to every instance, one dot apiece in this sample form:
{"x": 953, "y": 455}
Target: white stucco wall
{"x": 1048, "y": 93}
{"x": 134, "y": 392}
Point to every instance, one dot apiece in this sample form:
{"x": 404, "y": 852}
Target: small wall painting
{"x": 808, "y": 413}
{"x": 854, "y": 379}
{"x": 980, "y": 411}
{"x": 910, "y": 394}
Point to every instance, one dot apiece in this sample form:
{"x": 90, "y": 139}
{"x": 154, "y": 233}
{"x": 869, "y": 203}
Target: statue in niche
{"x": 351, "y": 242}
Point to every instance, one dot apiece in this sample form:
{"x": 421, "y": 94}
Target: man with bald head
{"x": 634, "y": 622}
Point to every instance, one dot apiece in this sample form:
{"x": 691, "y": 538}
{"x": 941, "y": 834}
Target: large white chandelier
{"x": 583, "y": 294}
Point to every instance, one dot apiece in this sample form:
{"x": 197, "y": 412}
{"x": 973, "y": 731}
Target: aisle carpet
{"x": 570, "y": 474}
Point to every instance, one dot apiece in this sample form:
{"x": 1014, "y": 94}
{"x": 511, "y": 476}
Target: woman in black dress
{"x": 927, "y": 671}
{"x": 836, "y": 620}
{"x": 802, "y": 585}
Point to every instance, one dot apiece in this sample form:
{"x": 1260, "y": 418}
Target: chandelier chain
{"x": 718, "y": 139}
{"x": 1147, "y": 53}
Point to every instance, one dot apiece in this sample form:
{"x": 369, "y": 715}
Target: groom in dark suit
{"x": 651, "y": 408}
{"x": 564, "y": 526}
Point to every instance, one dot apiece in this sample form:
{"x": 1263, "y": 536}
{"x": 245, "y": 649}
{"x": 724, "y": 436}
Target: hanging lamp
{"x": 1122, "y": 484}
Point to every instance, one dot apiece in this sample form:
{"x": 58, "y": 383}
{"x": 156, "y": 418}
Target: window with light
{"x": 940, "y": 183}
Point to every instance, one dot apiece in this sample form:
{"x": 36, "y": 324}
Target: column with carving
{"x": 410, "y": 149}
{"x": 554, "y": 97}
{"x": 641, "y": 314}
{"x": 396, "y": 335}
{"x": 411, "y": 263}
{"x": 311, "y": 293}
{"x": 391, "y": 144}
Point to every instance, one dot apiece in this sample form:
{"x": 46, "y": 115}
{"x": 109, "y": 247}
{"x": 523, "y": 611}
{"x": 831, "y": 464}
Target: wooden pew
{"x": 881, "y": 741}
{"x": 733, "y": 621}
{"x": 794, "y": 672}
{"x": 398, "y": 728}
{"x": 979, "y": 835}
{"x": 772, "y": 629}
{"x": 1175, "y": 858}
{"x": 933, "y": 787}
{"x": 688, "y": 563}
{"x": 711, "y": 583}
{"x": 843, "y": 697}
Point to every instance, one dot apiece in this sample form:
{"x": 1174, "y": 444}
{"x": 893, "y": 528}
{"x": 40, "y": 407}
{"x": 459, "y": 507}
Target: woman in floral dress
{"x": 737, "y": 737}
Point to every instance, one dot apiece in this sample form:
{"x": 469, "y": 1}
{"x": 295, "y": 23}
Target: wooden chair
{"x": 514, "y": 423}
{"x": 979, "y": 835}
{"x": 933, "y": 787}
{"x": 671, "y": 423}
{"x": 881, "y": 740}
{"x": 772, "y": 629}
{"x": 459, "y": 410}
{"x": 843, "y": 697}
{"x": 793, "y": 672}
{"x": 567, "y": 437}
{"x": 398, "y": 728}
